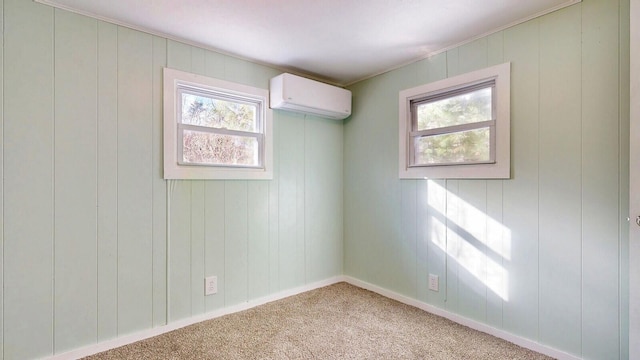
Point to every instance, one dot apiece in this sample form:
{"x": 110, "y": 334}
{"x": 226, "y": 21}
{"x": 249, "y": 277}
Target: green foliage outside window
{"x": 458, "y": 147}
{"x": 454, "y": 147}
{"x": 223, "y": 149}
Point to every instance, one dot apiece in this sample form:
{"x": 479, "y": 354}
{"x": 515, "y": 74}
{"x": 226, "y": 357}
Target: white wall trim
{"x": 145, "y": 334}
{"x": 520, "y": 341}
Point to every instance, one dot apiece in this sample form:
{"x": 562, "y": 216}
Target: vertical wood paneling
{"x": 362, "y": 180}
{"x": 496, "y": 233}
{"x": 197, "y": 247}
{"x": 363, "y": 209}
{"x": 107, "y": 181}
{"x": 452, "y": 244}
{"x": 495, "y": 49}
{"x": 422, "y": 239}
{"x": 436, "y": 237}
{"x": 300, "y": 259}
{"x": 274, "y": 211}
{"x": 323, "y": 198}
{"x": 421, "y": 76}
{"x": 214, "y": 212}
{"x": 257, "y": 239}
{"x": 214, "y": 246}
{"x": 198, "y": 66}
{"x": 245, "y": 72}
{"x": 235, "y": 246}
{"x": 402, "y": 259}
{"x": 28, "y": 180}
{"x": 356, "y": 211}
{"x": 335, "y": 209}
{"x": 520, "y": 194}
{"x": 135, "y": 220}
{"x": 179, "y": 250}
{"x": 198, "y": 61}
{"x": 159, "y": 189}
{"x": 473, "y": 56}
{"x": 436, "y": 208}
{"x": 1, "y": 177}
{"x": 236, "y": 70}
{"x": 624, "y": 165}
{"x": 214, "y": 64}
{"x": 559, "y": 172}
{"x": 453, "y": 66}
{"x": 471, "y": 228}
{"x": 311, "y": 233}
{"x": 352, "y": 218}
{"x": 472, "y": 216}
{"x": 498, "y": 238}
{"x": 403, "y": 249}
{"x": 391, "y": 266}
{"x": 600, "y": 179}
{"x": 407, "y": 246}
{"x": 291, "y": 267}
{"x": 75, "y": 178}
{"x": 437, "y": 67}
{"x": 179, "y": 57}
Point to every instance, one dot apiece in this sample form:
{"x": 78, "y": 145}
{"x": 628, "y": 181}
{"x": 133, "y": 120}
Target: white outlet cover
{"x": 210, "y": 285}
{"x": 433, "y": 282}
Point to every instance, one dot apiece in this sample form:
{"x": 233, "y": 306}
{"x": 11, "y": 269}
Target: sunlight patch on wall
{"x": 476, "y": 241}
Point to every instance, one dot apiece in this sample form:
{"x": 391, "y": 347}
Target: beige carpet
{"x": 340, "y": 321}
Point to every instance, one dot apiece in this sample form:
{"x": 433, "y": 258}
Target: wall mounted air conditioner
{"x": 295, "y": 93}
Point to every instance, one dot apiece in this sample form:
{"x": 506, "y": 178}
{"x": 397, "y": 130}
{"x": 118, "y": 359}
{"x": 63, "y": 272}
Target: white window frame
{"x": 175, "y": 82}
{"x": 499, "y": 167}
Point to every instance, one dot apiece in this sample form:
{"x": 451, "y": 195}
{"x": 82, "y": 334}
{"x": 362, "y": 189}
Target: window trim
{"x": 174, "y": 82}
{"x": 499, "y": 167}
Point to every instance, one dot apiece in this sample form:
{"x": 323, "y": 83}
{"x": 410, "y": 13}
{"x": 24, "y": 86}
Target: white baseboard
{"x": 145, "y": 334}
{"x": 520, "y": 341}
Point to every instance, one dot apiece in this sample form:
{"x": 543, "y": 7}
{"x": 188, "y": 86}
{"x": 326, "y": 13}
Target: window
{"x": 457, "y": 127}
{"x": 215, "y": 129}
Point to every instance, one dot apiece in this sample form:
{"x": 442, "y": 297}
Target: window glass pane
{"x": 217, "y": 149}
{"x": 461, "y": 109}
{"x": 216, "y": 113}
{"x": 459, "y": 147}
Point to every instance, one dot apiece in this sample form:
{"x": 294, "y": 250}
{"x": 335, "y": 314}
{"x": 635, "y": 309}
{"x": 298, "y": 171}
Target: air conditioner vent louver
{"x": 295, "y": 93}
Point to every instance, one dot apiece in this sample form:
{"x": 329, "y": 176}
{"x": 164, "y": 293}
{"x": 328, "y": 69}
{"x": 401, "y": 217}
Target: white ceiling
{"x": 339, "y": 41}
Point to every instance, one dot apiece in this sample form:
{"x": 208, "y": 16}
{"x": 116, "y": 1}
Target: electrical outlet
{"x": 433, "y": 282}
{"x": 210, "y": 285}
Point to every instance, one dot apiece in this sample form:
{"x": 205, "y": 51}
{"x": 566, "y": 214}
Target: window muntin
{"x": 455, "y": 126}
{"x": 215, "y": 129}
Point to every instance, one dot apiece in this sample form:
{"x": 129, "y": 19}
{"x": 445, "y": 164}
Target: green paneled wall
{"x": 96, "y": 244}
{"x": 28, "y": 149}
{"x": 538, "y": 255}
